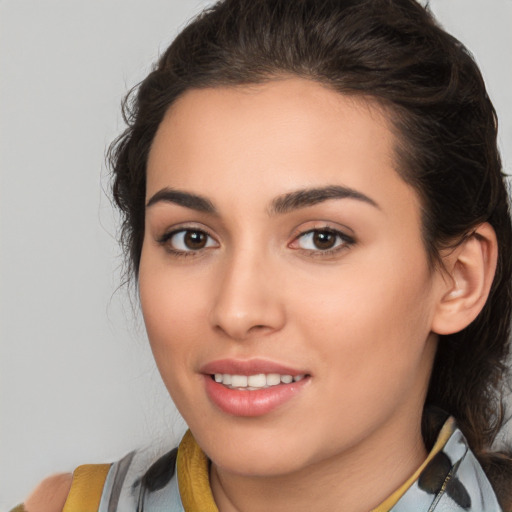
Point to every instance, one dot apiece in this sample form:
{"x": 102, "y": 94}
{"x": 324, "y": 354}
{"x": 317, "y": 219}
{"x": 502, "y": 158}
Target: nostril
{"x": 240, "y": 318}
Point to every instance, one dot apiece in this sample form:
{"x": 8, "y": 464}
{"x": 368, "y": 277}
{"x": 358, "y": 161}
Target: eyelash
{"x": 343, "y": 242}
{"x": 165, "y": 240}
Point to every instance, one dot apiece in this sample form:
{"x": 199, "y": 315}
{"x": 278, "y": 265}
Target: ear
{"x": 467, "y": 278}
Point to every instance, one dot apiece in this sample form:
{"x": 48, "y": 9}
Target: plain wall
{"x": 77, "y": 382}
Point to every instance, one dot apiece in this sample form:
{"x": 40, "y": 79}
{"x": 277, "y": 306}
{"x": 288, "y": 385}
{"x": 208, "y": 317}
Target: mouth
{"x": 256, "y": 381}
{"x": 252, "y": 388}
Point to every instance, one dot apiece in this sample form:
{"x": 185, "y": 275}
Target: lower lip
{"x": 251, "y": 403}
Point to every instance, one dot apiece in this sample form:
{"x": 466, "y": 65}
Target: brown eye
{"x": 188, "y": 240}
{"x": 195, "y": 239}
{"x": 322, "y": 240}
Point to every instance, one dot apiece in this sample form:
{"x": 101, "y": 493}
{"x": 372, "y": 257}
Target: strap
{"x": 18, "y": 508}
{"x": 86, "y": 488}
{"x": 193, "y": 481}
{"x": 442, "y": 439}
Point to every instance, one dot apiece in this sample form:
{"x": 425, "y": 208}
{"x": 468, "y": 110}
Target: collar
{"x": 449, "y": 480}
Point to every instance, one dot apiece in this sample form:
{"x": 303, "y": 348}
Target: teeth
{"x": 273, "y": 379}
{"x": 239, "y": 381}
{"x": 258, "y": 381}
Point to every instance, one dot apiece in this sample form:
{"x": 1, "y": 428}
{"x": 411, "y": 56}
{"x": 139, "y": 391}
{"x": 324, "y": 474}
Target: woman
{"x": 315, "y": 214}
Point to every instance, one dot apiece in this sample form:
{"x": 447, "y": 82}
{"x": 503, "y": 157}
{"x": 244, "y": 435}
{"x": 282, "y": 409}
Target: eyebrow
{"x": 311, "y": 196}
{"x": 280, "y": 205}
{"x": 186, "y": 199}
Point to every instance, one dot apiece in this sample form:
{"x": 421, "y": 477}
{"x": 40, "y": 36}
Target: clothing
{"x": 450, "y": 480}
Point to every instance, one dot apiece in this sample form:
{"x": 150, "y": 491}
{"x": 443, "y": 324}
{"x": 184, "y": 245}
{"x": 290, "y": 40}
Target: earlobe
{"x": 468, "y": 276}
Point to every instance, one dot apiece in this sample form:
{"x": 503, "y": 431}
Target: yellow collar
{"x": 194, "y": 482}
{"x": 193, "y": 477}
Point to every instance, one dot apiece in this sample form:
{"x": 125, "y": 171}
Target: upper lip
{"x": 249, "y": 367}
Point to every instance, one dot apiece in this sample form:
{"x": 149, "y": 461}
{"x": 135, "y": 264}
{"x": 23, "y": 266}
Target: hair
{"x": 392, "y": 52}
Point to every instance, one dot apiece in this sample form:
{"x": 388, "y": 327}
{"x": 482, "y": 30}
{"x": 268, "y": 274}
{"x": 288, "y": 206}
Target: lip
{"x": 251, "y": 403}
{"x": 249, "y": 367}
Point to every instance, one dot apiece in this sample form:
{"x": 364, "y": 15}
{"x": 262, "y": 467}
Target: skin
{"x": 50, "y": 495}
{"x": 358, "y": 319}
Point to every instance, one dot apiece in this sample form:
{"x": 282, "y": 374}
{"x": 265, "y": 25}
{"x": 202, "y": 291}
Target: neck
{"x": 357, "y": 480}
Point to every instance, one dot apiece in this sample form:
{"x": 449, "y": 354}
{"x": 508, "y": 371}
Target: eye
{"x": 322, "y": 240}
{"x": 187, "y": 240}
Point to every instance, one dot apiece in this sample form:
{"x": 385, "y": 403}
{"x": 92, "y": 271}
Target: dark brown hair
{"x": 391, "y": 51}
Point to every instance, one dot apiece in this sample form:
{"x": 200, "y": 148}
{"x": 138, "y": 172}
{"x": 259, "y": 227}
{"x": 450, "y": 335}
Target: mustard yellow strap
{"x": 193, "y": 479}
{"x": 442, "y": 439}
{"x": 86, "y": 488}
{"x": 18, "y": 508}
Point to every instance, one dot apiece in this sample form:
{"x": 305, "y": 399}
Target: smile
{"x": 253, "y": 387}
{"x": 255, "y": 382}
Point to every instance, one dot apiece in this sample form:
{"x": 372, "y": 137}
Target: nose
{"x": 247, "y": 299}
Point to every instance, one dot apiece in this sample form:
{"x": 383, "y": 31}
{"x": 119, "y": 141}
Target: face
{"x": 283, "y": 280}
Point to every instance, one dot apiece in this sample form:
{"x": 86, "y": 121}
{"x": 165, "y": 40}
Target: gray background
{"x": 77, "y": 383}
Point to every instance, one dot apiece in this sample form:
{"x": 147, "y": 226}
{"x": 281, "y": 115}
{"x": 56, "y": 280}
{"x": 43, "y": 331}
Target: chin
{"x": 260, "y": 465}
{"x": 257, "y": 452}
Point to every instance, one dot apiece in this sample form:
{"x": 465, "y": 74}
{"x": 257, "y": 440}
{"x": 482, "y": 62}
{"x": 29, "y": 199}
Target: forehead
{"x": 280, "y": 135}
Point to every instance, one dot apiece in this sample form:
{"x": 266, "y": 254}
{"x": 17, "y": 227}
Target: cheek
{"x": 171, "y": 307}
{"x": 373, "y": 324}
{"x": 173, "y": 330}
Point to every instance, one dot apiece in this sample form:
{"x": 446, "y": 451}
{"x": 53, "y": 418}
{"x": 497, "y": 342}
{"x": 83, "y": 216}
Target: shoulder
{"x": 144, "y": 474}
{"x": 50, "y": 495}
